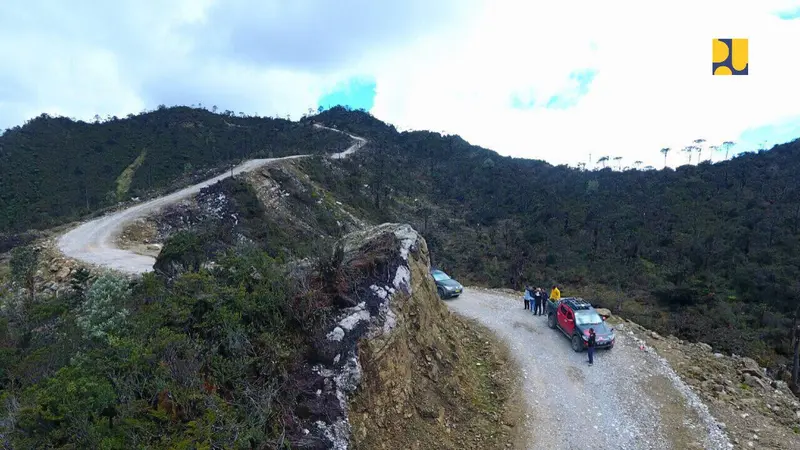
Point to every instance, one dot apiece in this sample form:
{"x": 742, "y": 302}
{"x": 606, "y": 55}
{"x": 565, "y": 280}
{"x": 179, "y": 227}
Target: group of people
{"x": 535, "y": 299}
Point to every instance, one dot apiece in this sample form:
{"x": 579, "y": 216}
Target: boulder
{"x": 655, "y": 335}
{"x": 749, "y": 363}
{"x": 703, "y": 346}
{"x": 604, "y": 312}
{"x": 755, "y": 382}
{"x": 63, "y": 274}
{"x": 753, "y": 372}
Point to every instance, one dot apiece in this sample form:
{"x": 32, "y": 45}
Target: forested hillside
{"x": 54, "y": 169}
{"x": 708, "y": 252}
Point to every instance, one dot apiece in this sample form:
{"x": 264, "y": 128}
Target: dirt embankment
{"x": 755, "y": 410}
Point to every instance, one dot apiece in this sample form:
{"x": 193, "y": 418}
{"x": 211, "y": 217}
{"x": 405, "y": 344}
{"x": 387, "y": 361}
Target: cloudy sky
{"x": 558, "y": 81}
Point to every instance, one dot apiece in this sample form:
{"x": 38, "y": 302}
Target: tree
{"x": 795, "y": 351}
{"x": 603, "y": 161}
{"x": 727, "y": 146}
{"x": 79, "y": 281}
{"x": 713, "y": 148}
{"x": 24, "y": 263}
{"x": 699, "y": 149}
{"x": 581, "y": 166}
{"x": 637, "y": 164}
{"x": 665, "y": 151}
{"x": 689, "y": 149}
{"x": 618, "y": 159}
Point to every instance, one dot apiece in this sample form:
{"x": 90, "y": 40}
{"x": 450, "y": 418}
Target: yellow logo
{"x": 729, "y": 57}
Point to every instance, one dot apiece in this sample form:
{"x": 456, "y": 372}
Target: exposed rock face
{"x": 369, "y": 326}
{"x": 212, "y": 205}
{"x": 398, "y": 360}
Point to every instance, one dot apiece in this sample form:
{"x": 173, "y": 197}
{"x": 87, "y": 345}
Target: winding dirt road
{"x": 629, "y": 398}
{"x": 94, "y": 242}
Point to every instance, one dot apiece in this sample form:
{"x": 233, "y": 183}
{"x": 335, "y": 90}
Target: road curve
{"x": 94, "y": 242}
{"x": 629, "y": 399}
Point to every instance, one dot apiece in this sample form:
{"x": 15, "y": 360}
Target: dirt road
{"x": 94, "y": 242}
{"x": 629, "y": 399}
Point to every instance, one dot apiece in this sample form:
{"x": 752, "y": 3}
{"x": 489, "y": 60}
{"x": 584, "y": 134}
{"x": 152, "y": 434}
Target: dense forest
{"x": 55, "y": 169}
{"x": 708, "y": 252}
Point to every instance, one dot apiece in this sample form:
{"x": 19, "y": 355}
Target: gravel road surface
{"x": 629, "y": 399}
{"x": 94, "y": 242}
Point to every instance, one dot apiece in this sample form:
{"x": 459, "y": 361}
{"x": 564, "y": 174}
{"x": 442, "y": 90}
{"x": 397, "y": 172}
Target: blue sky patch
{"x": 778, "y": 133}
{"x": 561, "y": 102}
{"x": 790, "y": 14}
{"x": 517, "y": 102}
{"x": 356, "y": 92}
{"x": 582, "y": 81}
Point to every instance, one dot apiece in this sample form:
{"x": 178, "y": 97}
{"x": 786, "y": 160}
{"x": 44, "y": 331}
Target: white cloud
{"x": 456, "y": 67}
{"x": 653, "y": 86}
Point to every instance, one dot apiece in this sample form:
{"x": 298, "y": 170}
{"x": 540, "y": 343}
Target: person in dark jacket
{"x": 590, "y": 345}
{"x": 538, "y": 296}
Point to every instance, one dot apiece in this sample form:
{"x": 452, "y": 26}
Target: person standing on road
{"x": 539, "y": 297}
{"x": 527, "y": 298}
{"x": 590, "y": 345}
{"x": 555, "y": 294}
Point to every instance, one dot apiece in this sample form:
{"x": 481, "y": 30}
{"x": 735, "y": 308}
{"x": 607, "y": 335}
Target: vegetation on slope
{"x": 54, "y": 169}
{"x": 204, "y": 361}
{"x": 126, "y": 177}
{"x": 222, "y": 355}
{"x": 707, "y": 252}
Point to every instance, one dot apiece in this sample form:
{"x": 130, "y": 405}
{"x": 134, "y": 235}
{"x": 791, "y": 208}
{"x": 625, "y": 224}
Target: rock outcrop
{"x": 398, "y": 356}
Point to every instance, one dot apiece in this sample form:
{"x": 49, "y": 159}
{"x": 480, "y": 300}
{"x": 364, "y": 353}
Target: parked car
{"x": 446, "y": 287}
{"x": 574, "y": 316}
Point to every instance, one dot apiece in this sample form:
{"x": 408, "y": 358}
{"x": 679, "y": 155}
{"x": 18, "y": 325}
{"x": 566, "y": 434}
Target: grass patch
{"x": 125, "y": 178}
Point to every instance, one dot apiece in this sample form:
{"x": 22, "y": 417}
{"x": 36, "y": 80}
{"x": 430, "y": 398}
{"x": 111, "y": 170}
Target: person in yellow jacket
{"x": 555, "y": 294}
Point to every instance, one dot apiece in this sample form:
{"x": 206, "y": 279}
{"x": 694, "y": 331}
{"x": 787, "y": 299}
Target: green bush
{"x": 103, "y": 312}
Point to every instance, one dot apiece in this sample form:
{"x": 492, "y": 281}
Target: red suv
{"x": 574, "y": 316}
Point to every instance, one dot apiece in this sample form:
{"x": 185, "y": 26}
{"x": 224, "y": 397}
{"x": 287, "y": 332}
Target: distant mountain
{"x": 54, "y": 169}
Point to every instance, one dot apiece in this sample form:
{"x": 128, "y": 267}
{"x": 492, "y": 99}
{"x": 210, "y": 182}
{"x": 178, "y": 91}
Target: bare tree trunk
{"x": 796, "y": 345}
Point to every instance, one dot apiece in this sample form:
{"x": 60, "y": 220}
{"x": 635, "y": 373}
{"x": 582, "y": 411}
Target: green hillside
{"x": 708, "y": 252}
{"x": 54, "y": 169}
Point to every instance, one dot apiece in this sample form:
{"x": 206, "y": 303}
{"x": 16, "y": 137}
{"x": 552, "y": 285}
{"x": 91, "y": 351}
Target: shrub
{"x": 103, "y": 310}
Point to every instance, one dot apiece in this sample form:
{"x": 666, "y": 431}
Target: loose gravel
{"x": 629, "y": 398}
